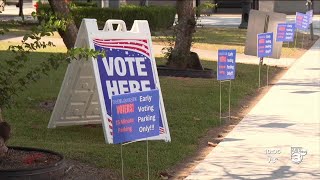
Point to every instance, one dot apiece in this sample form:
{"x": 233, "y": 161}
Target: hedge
{"x": 87, "y": 4}
{"x": 159, "y": 17}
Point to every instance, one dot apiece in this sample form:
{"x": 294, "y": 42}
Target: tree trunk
{"x": 70, "y": 35}
{"x": 21, "y": 9}
{"x": 3, "y": 147}
{"x": 1, "y": 118}
{"x": 4, "y": 135}
{"x": 181, "y": 57}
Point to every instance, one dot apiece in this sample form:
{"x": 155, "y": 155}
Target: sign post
{"x": 264, "y": 49}
{"x": 121, "y": 90}
{"x": 226, "y": 70}
{"x": 129, "y": 66}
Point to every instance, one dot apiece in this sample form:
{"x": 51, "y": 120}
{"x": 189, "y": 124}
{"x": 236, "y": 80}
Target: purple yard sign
{"x": 226, "y": 68}
{"x": 302, "y": 21}
{"x": 285, "y": 32}
{"x": 265, "y": 44}
{"x": 310, "y": 15}
{"x": 135, "y": 116}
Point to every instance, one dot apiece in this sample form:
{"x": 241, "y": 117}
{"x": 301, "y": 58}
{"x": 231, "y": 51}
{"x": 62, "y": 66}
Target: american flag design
{"x": 124, "y": 48}
{"x": 137, "y": 45}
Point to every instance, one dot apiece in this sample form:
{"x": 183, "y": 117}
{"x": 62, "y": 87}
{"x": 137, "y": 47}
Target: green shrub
{"x": 159, "y": 17}
{"x": 83, "y": 4}
{"x": 206, "y": 7}
{"x": 42, "y": 10}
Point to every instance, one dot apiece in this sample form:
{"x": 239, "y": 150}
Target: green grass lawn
{"x": 192, "y": 107}
{"x": 20, "y": 29}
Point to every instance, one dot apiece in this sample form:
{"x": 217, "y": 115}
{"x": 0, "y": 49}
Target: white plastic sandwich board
{"x": 129, "y": 66}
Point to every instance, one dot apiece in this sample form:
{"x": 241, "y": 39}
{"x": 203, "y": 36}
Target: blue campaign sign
{"x": 285, "y": 32}
{"x": 126, "y": 68}
{"x": 302, "y": 21}
{"x": 265, "y": 44}
{"x": 310, "y": 15}
{"x": 226, "y": 68}
{"x": 135, "y": 116}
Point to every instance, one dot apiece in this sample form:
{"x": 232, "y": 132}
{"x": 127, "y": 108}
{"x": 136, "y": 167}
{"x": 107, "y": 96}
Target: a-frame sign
{"x": 129, "y": 66}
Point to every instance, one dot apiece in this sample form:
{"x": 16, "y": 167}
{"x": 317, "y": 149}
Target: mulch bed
{"x": 18, "y": 159}
{"x": 191, "y": 73}
{"x": 85, "y": 171}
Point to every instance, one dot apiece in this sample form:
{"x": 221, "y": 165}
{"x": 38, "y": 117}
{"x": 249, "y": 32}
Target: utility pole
{"x": 246, "y": 7}
{"x": 310, "y": 6}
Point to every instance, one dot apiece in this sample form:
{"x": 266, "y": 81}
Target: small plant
{"x": 14, "y": 78}
{"x": 33, "y": 158}
{"x": 168, "y": 40}
{"x": 159, "y": 17}
{"x": 206, "y": 7}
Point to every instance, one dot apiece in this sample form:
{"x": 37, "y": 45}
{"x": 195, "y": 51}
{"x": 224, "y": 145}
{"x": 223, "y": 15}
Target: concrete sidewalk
{"x": 241, "y": 58}
{"x": 259, "y": 147}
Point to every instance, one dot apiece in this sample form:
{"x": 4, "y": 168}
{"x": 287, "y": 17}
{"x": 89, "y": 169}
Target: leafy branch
{"x": 13, "y": 74}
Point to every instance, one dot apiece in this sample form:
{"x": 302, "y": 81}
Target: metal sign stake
{"x": 220, "y": 102}
{"x": 295, "y": 40}
{"x": 148, "y": 159}
{"x": 278, "y": 51}
{"x": 268, "y": 73}
{"x": 260, "y": 62}
{"x": 229, "y": 100}
{"x": 302, "y": 39}
{"x": 122, "y": 164}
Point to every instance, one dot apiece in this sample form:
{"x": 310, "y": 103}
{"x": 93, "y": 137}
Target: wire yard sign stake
{"x": 285, "y": 33}
{"x": 264, "y": 49}
{"x": 226, "y": 70}
{"x": 135, "y": 117}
